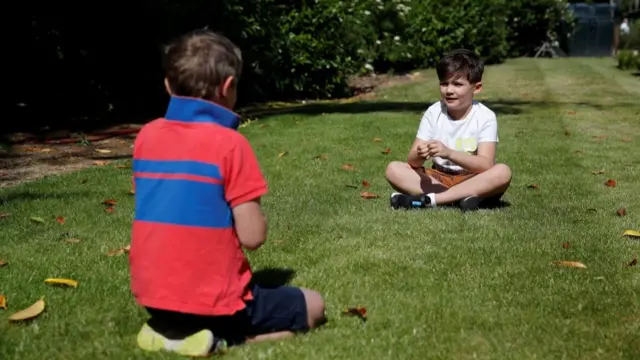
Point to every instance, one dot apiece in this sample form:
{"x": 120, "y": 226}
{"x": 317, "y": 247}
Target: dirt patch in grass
{"x": 27, "y": 157}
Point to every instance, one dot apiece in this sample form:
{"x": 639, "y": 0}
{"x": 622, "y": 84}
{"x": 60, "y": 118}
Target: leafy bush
{"x": 631, "y": 40}
{"x": 628, "y": 59}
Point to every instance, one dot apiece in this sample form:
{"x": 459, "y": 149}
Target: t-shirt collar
{"x": 194, "y": 110}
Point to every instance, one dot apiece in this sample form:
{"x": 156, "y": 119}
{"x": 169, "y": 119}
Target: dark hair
{"x": 461, "y": 62}
{"x": 197, "y": 63}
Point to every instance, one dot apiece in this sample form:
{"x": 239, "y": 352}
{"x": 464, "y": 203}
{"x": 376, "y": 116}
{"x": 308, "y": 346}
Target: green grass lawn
{"x": 437, "y": 284}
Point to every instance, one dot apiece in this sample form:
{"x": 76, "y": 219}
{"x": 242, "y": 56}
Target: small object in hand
{"x": 358, "y": 311}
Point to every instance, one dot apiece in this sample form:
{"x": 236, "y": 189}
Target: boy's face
{"x": 457, "y": 92}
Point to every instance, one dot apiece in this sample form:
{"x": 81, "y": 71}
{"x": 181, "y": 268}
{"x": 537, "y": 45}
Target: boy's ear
{"x": 228, "y": 85}
{"x": 477, "y": 87}
{"x": 167, "y": 87}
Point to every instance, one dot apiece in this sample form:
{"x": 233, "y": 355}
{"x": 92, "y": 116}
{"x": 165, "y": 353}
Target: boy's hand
{"x": 423, "y": 150}
{"x": 436, "y": 148}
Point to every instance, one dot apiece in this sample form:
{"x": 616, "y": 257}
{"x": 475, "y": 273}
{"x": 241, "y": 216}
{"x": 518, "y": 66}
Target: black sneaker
{"x": 470, "y": 203}
{"x": 404, "y": 201}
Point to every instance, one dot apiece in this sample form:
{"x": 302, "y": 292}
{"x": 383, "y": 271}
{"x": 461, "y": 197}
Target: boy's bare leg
{"x": 315, "y": 317}
{"x": 494, "y": 181}
{"x": 403, "y": 178}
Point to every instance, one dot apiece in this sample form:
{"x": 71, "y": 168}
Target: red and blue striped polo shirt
{"x": 190, "y": 169}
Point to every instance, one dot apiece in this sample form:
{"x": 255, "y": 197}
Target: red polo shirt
{"x": 190, "y": 169}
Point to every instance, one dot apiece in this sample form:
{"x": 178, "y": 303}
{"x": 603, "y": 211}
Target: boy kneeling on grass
{"x": 198, "y": 189}
{"x": 459, "y": 135}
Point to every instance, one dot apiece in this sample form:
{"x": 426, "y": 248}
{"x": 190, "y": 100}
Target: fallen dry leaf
{"x": 571, "y": 112}
{"x": 610, "y": 183}
{"x": 132, "y": 192}
{"x": 377, "y": 139}
{"x": 625, "y": 139}
{"x": 358, "y": 311}
{"x": 37, "y": 219}
{"x": 100, "y": 162}
{"x": 365, "y": 183}
{"x": 600, "y": 137}
{"x": 4, "y": 215}
{"x": 109, "y": 202}
{"x": 60, "y": 220}
{"x": 533, "y": 186}
{"x": 58, "y": 281}
{"x": 575, "y": 264}
{"x": 386, "y": 151}
{"x": 29, "y": 313}
{"x": 347, "y": 167}
{"x": 122, "y": 167}
{"x": 633, "y": 262}
{"x": 368, "y": 195}
{"x": 263, "y": 125}
{"x": 284, "y": 153}
{"x": 579, "y": 152}
{"x": 632, "y": 233}
{"x": 621, "y": 212}
{"x": 566, "y": 245}
{"x": 103, "y": 151}
{"x": 3, "y": 263}
{"x": 110, "y": 209}
{"x": 598, "y": 172}
{"x": 122, "y": 250}
{"x": 72, "y": 240}
{"x": 3, "y": 302}
{"x": 321, "y": 157}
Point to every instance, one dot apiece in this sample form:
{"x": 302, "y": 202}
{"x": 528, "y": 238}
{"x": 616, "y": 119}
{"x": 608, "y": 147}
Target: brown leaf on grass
{"x": 263, "y": 126}
{"x": 100, "y": 162}
{"x": 3, "y": 263}
{"x": 377, "y": 139}
{"x": 533, "y": 186}
{"x": 579, "y": 152}
{"x": 109, "y": 209}
{"x": 566, "y": 245}
{"x": 29, "y": 313}
{"x": 284, "y": 153}
{"x": 625, "y": 139}
{"x": 571, "y": 112}
{"x": 72, "y": 240}
{"x": 600, "y": 137}
{"x": 122, "y": 250}
{"x": 575, "y": 264}
{"x": 598, "y": 172}
{"x": 109, "y": 202}
{"x": 3, "y": 302}
{"x": 347, "y": 167}
{"x": 610, "y": 183}
{"x": 132, "y": 192}
{"x": 621, "y": 212}
{"x": 60, "y": 220}
{"x": 365, "y": 183}
{"x": 122, "y": 167}
{"x": 386, "y": 151}
{"x": 632, "y": 233}
{"x": 633, "y": 262}
{"x": 358, "y": 311}
{"x": 369, "y": 195}
{"x": 4, "y": 215}
{"x": 321, "y": 157}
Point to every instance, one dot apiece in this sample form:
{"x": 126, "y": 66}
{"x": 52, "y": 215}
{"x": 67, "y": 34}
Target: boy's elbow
{"x": 255, "y": 236}
{"x": 250, "y": 225}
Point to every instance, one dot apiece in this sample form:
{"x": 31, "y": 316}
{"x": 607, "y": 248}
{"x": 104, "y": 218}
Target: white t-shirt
{"x": 480, "y": 125}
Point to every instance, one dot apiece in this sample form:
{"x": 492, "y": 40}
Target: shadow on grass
{"x": 636, "y": 74}
{"x": 12, "y": 197}
{"x": 500, "y": 107}
{"x": 273, "y": 277}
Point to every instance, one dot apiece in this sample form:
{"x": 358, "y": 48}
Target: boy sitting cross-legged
{"x": 460, "y": 136}
{"x": 197, "y": 205}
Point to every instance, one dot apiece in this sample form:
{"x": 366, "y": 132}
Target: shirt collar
{"x": 194, "y": 110}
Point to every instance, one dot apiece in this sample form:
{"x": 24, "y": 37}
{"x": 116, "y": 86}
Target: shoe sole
{"x": 199, "y": 344}
{"x": 470, "y": 203}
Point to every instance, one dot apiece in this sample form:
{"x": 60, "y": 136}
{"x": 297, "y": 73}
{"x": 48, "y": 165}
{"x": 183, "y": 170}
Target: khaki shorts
{"x": 448, "y": 180}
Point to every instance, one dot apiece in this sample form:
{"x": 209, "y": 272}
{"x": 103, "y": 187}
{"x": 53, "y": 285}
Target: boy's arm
{"x": 425, "y": 133}
{"x": 244, "y": 186}
{"x": 481, "y": 162}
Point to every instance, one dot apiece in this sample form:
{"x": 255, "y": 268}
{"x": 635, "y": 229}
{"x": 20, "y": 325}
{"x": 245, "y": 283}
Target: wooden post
{"x": 616, "y": 27}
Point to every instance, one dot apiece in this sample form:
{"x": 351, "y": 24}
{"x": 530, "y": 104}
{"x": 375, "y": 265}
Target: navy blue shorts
{"x": 274, "y": 309}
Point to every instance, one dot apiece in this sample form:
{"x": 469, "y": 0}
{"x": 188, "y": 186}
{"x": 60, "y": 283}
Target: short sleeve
{"x": 425, "y": 130}
{"x": 488, "y": 130}
{"x": 243, "y": 180}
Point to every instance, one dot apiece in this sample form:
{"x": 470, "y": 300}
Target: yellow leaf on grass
{"x": 29, "y": 313}
{"x": 575, "y": 264}
{"x": 3, "y": 263}
{"x": 57, "y": 281}
{"x": 632, "y": 233}
{"x": 103, "y": 151}
{"x": 3, "y": 302}
{"x": 37, "y": 219}
{"x": 283, "y": 154}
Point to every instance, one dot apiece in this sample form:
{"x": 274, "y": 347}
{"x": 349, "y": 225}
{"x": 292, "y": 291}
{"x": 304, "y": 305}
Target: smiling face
{"x": 457, "y": 93}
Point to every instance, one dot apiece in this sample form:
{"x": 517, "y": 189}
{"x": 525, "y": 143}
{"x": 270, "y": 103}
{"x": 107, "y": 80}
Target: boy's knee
{"x": 394, "y": 169}
{"x": 315, "y": 308}
{"x": 503, "y": 172}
